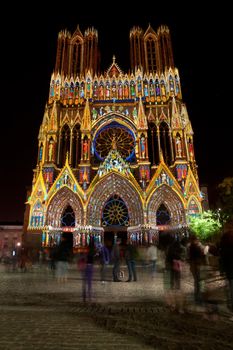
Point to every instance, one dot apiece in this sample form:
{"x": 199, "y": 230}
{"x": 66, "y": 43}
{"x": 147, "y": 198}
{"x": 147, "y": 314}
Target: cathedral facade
{"x": 115, "y": 150}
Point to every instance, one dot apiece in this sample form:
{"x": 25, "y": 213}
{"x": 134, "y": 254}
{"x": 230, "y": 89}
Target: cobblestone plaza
{"x": 39, "y": 313}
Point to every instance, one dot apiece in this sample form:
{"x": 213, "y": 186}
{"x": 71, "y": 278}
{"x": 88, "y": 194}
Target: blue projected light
{"x": 125, "y": 141}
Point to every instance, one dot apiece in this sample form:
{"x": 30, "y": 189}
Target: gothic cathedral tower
{"x": 115, "y": 150}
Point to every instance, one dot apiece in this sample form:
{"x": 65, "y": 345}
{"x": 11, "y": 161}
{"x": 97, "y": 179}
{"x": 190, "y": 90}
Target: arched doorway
{"x": 67, "y": 223}
{"x": 115, "y": 220}
{"x": 162, "y": 215}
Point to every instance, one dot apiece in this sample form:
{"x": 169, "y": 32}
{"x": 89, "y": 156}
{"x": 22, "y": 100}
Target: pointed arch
{"x": 165, "y": 142}
{"x": 64, "y": 143}
{"x": 153, "y": 143}
{"x": 193, "y": 207}
{"x": 169, "y": 198}
{"x": 76, "y": 54}
{"x": 119, "y": 118}
{"x": 63, "y": 198}
{"x": 151, "y": 52}
{"x": 68, "y": 217}
{"x": 114, "y": 184}
{"x": 76, "y": 146}
{"x": 163, "y": 215}
{"x": 125, "y": 137}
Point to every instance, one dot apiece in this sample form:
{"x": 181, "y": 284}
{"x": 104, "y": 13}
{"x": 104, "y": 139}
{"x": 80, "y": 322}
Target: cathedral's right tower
{"x": 151, "y": 51}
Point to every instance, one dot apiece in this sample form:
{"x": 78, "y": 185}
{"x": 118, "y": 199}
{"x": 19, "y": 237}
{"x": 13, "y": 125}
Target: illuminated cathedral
{"x": 115, "y": 149}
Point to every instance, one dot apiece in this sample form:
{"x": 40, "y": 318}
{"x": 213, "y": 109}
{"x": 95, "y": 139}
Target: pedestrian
{"x": 87, "y": 273}
{"x": 116, "y": 258}
{"x": 196, "y": 258}
{"x": 152, "y": 256}
{"x": 62, "y": 257}
{"x": 103, "y": 253}
{"x": 175, "y": 256}
{"x": 131, "y": 255}
{"x": 52, "y": 258}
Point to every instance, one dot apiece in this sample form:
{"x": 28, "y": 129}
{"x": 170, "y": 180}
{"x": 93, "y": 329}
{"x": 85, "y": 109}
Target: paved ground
{"x": 38, "y": 313}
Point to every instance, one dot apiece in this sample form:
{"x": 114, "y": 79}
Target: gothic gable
{"x": 39, "y": 190}
{"x": 114, "y": 184}
{"x": 165, "y": 195}
{"x": 162, "y": 176}
{"x": 36, "y": 202}
{"x": 66, "y": 178}
{"x": 191, "y": 186}
{"x": 64, "y": 197}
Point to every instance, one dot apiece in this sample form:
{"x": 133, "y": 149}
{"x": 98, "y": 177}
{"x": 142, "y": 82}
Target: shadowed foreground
{"x": 37, "y": 313}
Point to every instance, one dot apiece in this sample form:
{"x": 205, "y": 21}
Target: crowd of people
{"x": 176, "y": 253}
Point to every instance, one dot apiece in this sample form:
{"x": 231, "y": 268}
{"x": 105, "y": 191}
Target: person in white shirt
{"x": 152, "y": 255}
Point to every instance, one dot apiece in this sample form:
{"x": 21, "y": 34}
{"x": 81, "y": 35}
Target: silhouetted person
{"x": 116, "y": 258}
{"x": 86, "y": 267}
{"x": 103, "y": 253}
{"x": 196, "y": 259}
{"x": 62, "y": 256}
{"x": 131, "y": 255}
{"x": 52, "y": 258}
{"x": 152, "y": 256}
{"x": 174, "y": 263}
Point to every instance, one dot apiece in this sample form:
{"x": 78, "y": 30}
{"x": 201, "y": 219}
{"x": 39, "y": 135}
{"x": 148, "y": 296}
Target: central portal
{"x": 115, "y": 220}
{"x": 111, "y": 233}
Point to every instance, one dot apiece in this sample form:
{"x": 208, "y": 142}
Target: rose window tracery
{"x": 114, "y": 137}
{"x": 115, "y": 212}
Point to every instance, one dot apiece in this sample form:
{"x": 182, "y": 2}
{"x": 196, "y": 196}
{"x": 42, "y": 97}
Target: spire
{"x": 161, "y": 156}
{"x": 86, "y": 120}
{"x": 150, "y": 30}
{"x": 53, "y": 118}
{"x": 174, "y": 107}
{"x": 77, "y": 32}
{"x": 151, "y": 116}
{"x": 176, "y": 123}
{"x": 45, "y": 118}
{"x": 142, "y": 121}
{"x": 114, "y": 69}
{"x": 67, "y": 158}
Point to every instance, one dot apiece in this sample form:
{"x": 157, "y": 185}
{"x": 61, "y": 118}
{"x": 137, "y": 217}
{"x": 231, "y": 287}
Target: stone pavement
{"x": 39, "y": 313}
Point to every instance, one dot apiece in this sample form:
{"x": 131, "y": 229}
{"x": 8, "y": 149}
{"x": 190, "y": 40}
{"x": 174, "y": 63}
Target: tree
{"x": 206, "y": 226}
{"x": 225, "y": 193}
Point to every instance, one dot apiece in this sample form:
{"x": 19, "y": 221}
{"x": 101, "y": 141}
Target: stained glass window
{"x": 162, "y": 215}
{"x": 68, "y": 217}
{"x": 115, "y": 212}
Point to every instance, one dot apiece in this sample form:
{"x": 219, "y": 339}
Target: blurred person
{"x": 41, "y": 258}
{"x": 52, "y": 258}
{"x": 62, "y": 256}
{"x": 85, "y": 265}
{"x": 116, "y": 258}
{"x": 152, "y": 256}
{"x": 196, "y": 258}
{"x": 175, "y": 256}
{"x": 131, "y": 255}
{"x": 24, "y": 261}
{"x": 103, "y": 253}
{"x": 14, "y": 259}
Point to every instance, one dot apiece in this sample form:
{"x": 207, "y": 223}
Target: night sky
{"x": 201, "y": 44}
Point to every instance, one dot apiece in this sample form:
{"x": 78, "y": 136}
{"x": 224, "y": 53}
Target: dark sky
{"x": 201, "y": 44}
